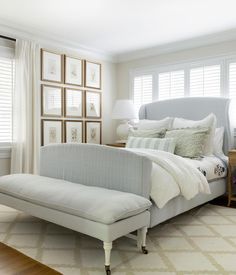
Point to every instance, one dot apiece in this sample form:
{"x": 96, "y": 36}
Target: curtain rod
{"x": 8, "y": 38}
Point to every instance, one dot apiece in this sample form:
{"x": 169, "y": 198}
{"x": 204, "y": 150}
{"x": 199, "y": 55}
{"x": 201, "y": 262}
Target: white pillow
{"x": 209, "y": 122}
{"x": 218, "y": 141}
{"x": 146, "y": 124}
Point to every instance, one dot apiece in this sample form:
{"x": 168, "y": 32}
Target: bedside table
{"x": 119, "y": 145}
{"x": 232, "y": 165}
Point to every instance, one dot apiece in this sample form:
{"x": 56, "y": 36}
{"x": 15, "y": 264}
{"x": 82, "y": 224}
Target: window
{"x": 171, "y": 85}
{"x": 232, "y": 80}
{"x": 6, "y": 88}
{"x": 205, "y": 81}
{"x": 142, "y": 90}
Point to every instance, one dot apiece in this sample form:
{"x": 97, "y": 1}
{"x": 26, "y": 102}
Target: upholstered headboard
{"x": 194, "y": 108}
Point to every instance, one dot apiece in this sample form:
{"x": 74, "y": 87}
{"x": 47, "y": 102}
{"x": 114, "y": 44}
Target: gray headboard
{"x": 194, "y": 108}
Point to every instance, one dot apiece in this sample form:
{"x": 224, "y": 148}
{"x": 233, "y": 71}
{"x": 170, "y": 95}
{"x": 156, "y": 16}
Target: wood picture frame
{"x": 73, "y": 71}
{"x": 56, "y": 136}
{"x": 92, "y": 75}
{"x": 75, "y": 130}
{"x": 70, "y": 98}
{"x": 49, "y": 97}
{"x": 93, "y": 104}
{"x": 94, "y": 137}
{"x": 51, "y": 66}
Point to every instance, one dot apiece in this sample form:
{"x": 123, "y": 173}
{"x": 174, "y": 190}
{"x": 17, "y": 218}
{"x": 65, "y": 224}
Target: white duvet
{"x": 172, "y": 176}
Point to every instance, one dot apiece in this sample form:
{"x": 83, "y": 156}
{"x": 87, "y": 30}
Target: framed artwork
{"x": 51, "y": 66}
{"x": 51, "y": 131}
{"x": 74, "y": 131}
{"x": 73, "y": 71}
{"x": 51, "y": 101}
{"x": 93, "y": 104}
{"x": 93, "y": 132}
{"x": 73, "y": 103}
{"x": 93, "y": 75}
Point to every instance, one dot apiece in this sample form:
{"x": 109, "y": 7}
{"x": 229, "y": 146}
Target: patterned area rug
{"x": 202, "y": 241}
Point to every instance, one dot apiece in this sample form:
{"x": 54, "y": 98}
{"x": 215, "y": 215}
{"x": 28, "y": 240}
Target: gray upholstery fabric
{"x": 97, "y": 165}
{"x": 92, "y": 203}
{"x": 194, "y": 108}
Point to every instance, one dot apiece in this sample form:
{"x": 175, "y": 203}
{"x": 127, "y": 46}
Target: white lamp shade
{"x": 124, "y": 109}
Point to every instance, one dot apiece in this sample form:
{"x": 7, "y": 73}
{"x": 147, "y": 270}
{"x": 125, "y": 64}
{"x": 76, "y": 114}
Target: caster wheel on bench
{"x": 108, "y": 270}
{"x": 144, "y": 250}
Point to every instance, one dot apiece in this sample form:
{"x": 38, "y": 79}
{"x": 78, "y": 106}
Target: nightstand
{"x": 232, "y": 165}
{"x": 119, "y": 145}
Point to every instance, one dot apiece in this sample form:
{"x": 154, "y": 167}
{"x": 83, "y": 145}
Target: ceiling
{"x": 118, "y": 27}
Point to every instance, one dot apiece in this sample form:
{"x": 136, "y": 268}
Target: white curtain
{"x": 26, "y": 109}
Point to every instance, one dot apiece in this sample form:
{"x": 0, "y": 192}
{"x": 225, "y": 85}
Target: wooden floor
{"x": 12, "y": 262}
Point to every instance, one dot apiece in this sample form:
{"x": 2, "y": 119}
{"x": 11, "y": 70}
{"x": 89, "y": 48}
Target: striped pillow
{"x": 163, "y": 144}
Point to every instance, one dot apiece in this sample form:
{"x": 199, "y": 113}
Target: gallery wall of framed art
{"x": 71, "y": 99}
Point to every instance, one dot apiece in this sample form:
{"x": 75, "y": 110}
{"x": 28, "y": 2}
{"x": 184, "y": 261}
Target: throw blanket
{"x": 172, "y": 176}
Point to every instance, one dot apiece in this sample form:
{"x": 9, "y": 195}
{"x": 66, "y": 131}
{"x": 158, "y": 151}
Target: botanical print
{"x": 74, "y": 131}
{"x": 52, "y": 131}
{"x": 52, "y": 135}
{"x": 93, "y": 132}
{"x": 73, "y": 103}
{"x": 93, "y": 104}
{"x": 73, "y": 72}
{"x": 93, "y": 75}
{"x": 74, "y": 135}
{"x": 52, "y": 67}
{"x": 219, "y": 170}
{"x": 52, "y": 101}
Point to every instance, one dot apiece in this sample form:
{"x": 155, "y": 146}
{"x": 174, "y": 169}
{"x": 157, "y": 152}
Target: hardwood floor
{"x": 12, "y": 262}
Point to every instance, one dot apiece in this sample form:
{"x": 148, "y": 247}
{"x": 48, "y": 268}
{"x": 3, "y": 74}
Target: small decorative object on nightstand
{"x": 232, "y": 165}
{"x": 119, "y": 145}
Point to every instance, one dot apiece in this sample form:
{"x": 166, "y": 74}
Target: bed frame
{"x": 194, "y": 108}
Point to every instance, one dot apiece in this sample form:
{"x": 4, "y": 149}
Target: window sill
{"x": 5, "y": 152}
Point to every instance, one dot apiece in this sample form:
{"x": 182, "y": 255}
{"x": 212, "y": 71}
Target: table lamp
{"x": 123, "y": 110}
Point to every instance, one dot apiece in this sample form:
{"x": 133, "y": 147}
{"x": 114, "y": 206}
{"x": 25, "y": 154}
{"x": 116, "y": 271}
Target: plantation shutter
{"x": 232, "y": 80}
{"x": 205, "y": 81}
{"x": 6, "y": 88}
{"x": 171, "y": 85}
{"x": 142, "y": 90}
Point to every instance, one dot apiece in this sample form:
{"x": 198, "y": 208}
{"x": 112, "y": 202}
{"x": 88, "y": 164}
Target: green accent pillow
{"x": 190, "y": 142}
{"x": 152, "y": 133}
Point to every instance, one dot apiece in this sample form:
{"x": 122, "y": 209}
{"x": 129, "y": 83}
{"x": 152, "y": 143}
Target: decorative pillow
{"x": 146, "y": 124}
{"x": 207, "y": 122}
{"x": 152, "y": 133}
{"x": 189, "y": 142}
{"x": 163, "y": 144}
{"x": 218, "y": 141}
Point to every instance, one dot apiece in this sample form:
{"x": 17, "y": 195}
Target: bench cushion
{"x": 94, "y": 203}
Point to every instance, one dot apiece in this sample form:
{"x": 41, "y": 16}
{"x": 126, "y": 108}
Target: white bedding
{"x": 172, "y": 176}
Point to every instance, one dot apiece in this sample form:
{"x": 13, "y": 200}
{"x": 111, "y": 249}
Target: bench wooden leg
{"x": 141, "y": 242}
{"x": 107, "y": 248}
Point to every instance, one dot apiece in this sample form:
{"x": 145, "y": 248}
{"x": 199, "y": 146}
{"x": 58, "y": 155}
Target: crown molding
{"x": 201, "y": 41}
{"x": 8, "y": 29}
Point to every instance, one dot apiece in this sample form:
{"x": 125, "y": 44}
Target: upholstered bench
{"x": 74, "y": 190}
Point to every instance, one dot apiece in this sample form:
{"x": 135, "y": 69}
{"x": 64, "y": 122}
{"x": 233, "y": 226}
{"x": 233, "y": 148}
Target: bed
{"x": 194, "y": 109}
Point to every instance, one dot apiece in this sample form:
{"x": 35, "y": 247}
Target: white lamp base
{"x": 123, "y": 131}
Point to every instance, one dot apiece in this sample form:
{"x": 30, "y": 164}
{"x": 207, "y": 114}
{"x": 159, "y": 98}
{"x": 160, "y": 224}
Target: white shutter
{"x": 205, "y": 81}
{"x": 6, "y": 88}
{"x": 171, "y": 85}
{"x": 142, "y": 90}
{"x": 232, "y": 80}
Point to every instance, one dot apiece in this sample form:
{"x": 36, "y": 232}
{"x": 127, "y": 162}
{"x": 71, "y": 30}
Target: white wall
{"x": 194, "y": 54}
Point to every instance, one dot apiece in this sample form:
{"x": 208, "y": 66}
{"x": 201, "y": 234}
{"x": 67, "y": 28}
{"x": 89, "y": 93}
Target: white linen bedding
{"x": 172, "y": 176}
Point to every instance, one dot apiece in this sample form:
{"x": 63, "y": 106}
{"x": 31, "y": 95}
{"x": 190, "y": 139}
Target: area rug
{"x": 201, "y": 241}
